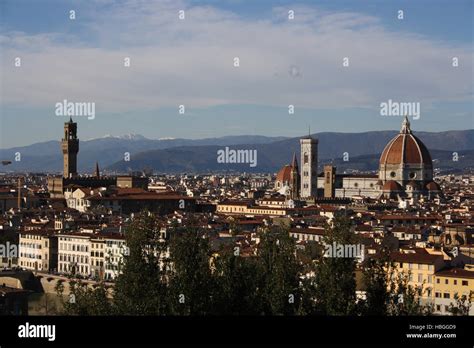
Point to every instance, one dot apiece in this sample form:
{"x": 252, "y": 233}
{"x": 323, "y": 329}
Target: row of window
{"x": 30, "y": 245}
{"x": 73, "y": 247}
{"x": 455, "y": 282}
{"x": 31, "y": 265}
{"x": 64, "y": 267}
{"x": 73, "y": 258}
{"x": 97, "y": 245}
{"x": 32, "y": 256}
{"x": 420, "y": 278}
{"x": 303, "y": 236}
{"x": 418, "y": 266}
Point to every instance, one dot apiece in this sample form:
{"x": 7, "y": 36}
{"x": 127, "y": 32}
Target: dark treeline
{"x": 182, "y": 276}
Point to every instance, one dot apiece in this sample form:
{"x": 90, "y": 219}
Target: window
{"x": 437, "y": 280}
{"x": 393, "y": 174}
{"x": 455, "y": 282}
{"x": 446, "y": 295}
{"x": 465, "y": 282}
{"x": 446, "y": 281}
{"x": 438, "y": 294}
{"x": 420, "y": 278}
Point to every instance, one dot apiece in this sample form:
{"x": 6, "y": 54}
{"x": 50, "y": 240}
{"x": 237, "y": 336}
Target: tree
{"x": 376, "y": 282}
{"x": 141, "y": 288}
{"x": 405, "y": 299}
{"x": 279, "y": 281}
{"x": 237, "y": 286}
{"x": 334, "y": 282}
{"x": 84, "y": 299}
{"x": 462, "y": 306}
{"x": 190, "y": 279}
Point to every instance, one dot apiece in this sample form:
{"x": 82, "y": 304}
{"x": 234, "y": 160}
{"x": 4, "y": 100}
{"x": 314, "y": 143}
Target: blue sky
{"x": 190, "y": 62}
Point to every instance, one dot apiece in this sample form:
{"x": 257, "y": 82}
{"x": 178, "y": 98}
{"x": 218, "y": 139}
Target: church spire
{"x": 294, "y": 162}
{"x": 97, "y": 172}
{"x": 405, "y": 126}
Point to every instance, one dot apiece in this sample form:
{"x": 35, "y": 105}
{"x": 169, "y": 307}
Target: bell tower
{"x": 70, "y": 147}
{"x": 309, "y": 167}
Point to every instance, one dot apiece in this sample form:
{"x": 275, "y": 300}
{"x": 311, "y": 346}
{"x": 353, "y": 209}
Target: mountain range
{"x": 193, "y": 156}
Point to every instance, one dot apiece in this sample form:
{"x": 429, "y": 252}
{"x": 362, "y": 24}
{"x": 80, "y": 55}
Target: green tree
{"x": 279, "y": 280}
{"x": 376, "y": 283}
{"x": 141, "y": 287}
{"x": 237, "y": 289}
{"x": 191, "y": 282}
{"x": 84, "y": 299}
{"x": 334, "y": 282}
{"x": 406, "y": 299}
{"x": 462, "y": 304}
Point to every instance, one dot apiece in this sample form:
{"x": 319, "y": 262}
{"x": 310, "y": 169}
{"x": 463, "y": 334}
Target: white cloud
{"x": 191, "y": 62}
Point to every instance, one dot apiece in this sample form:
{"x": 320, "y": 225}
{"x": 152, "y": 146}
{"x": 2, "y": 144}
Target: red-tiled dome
{"x": 284, "y": 174}
{"x": 405, "y": 148}
{"x": 392, "y": 185}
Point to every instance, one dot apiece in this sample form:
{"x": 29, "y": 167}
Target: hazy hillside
{"x": 177, "y": 155}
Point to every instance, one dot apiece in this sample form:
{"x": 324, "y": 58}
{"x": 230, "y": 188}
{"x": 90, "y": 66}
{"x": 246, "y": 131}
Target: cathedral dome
{"x": 405, "y": 159}
{"x": 405, "y": 148}
{"x": 284, "y": 175}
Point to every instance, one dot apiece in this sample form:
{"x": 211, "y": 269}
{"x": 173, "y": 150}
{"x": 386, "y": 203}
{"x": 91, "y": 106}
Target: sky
{"x": 190, "y": 62}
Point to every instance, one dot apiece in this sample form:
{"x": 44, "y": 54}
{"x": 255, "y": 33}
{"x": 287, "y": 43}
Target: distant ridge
{"x": 179, "y": 155}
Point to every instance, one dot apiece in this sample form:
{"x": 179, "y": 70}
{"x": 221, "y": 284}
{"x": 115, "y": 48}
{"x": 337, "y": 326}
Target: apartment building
{"x": 98, "y": 254}
{"x": 38, "y": 251}
{"x": 74, "y": 250}
{"x": 420, "y": 267}
{"x": 448, "y": 283}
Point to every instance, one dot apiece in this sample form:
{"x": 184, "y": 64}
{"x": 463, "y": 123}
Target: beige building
{"x": 38, "y": 251}
{"x": 420, "y": 267}
{"x": 98, "y": 257}
{"x": 74, "y": 250}
{"x": 450, "y": 282}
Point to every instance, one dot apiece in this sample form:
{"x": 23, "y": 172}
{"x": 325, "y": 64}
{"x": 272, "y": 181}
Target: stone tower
{"x": 309, "y": 167}
{"x": 70, "y": 147}
{"x": 329, "y": 181}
